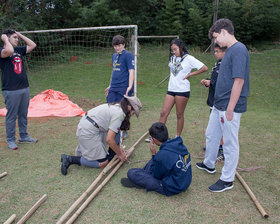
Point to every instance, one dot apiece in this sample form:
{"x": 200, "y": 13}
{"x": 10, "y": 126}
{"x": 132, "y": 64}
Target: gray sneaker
{"x": 12, "y": 145}
{"x": 28, "y": 140}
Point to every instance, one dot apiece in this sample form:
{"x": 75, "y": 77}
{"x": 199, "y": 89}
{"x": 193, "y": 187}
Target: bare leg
{"x": 168, "y": 103}
{"x": 181, "y": 103}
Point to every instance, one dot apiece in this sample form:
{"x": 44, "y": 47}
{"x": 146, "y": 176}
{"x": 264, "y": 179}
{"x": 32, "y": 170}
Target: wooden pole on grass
{"x": 33, "y": 209}
{"x": 11, "y": 219}
{"x": 3, "y": 174}
{"x": 85, "y": 204}
{"x": 253, "y": 197}
{"x": 111, "y": 164}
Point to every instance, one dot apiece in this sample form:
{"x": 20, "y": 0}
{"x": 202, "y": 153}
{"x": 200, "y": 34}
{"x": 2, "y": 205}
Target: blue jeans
{"x": 17, "y": 102}
{"x": 144, "y": 178}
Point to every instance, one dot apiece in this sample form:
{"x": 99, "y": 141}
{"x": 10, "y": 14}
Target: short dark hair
{"x": 159, "y": 131}
{"x": 118, "y": 39}
{"x": 221, "y": 48}
{"x": 181, "y": 46}
{"x": 220, "y": 24}
{"x": 9, "y": 32}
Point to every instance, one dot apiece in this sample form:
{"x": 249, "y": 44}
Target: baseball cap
{"x": 135, "y": 103}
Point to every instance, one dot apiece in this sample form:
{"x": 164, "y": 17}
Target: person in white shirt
{"x": 181, "y": 65}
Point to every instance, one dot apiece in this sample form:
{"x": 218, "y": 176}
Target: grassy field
{"x": 34, "y": 170}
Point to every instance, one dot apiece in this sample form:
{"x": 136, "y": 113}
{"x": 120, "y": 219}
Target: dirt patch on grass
{"x": 85, "y": 104}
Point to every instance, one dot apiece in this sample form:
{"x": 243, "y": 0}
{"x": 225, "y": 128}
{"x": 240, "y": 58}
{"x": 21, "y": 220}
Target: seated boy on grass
{"x": 169, "y": 171}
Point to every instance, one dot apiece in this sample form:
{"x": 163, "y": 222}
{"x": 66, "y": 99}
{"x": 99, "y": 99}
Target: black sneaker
{"x": 221, "y": 186}
{"x": 203, "y": 167}
{"x": 129, "y": 184}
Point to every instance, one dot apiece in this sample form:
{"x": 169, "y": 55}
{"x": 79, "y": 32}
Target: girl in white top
{"x": 181, "y": 65}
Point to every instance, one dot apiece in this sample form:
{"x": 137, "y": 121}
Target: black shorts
{"x": 185, "y": 94}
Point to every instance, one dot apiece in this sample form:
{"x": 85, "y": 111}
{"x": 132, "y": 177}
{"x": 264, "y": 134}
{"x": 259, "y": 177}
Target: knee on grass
{"x": 94, "y": 163}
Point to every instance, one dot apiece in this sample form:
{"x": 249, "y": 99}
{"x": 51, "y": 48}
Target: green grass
{"x": 34, "y": 170}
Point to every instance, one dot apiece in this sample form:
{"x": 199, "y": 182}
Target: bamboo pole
{"x": 253, "y": 197}
{"x": 33, "y": 209}
{"x": 96, "y": 191}
{"x": 11, "y": 219}
{"x": 3, "y": 174}
{"x": 111, "y": 164}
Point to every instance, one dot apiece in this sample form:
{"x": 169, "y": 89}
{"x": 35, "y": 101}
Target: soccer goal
{"x": 80, "y": 57}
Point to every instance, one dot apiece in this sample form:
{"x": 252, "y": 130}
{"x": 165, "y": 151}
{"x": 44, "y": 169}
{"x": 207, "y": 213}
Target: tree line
{"x": 254, "y": 20}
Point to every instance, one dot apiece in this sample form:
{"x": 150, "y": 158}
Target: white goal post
{"x": 89, "y": 45}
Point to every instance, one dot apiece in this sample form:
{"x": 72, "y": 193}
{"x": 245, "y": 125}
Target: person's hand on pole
{"x": 122, "y": 156}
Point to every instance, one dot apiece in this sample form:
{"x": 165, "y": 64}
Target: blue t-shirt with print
{"x": 235, "y": 64}
{"x": 13, "y": 71}
{"x": 121, "y": 64}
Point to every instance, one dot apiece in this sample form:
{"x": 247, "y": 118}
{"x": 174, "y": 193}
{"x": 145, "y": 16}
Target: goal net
{"x": 153, "y": 50}
{"x": 78, "y": 61}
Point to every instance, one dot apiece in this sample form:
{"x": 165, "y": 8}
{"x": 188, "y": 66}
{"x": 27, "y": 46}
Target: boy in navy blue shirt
{"x": 169, "y": 171}
{"x": 122, "y": 77}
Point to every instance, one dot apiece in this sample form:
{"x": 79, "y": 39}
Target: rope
{"x": 202, "y": 107}
{"x": 249, "y": 169}
{"x": 138, "y": 161}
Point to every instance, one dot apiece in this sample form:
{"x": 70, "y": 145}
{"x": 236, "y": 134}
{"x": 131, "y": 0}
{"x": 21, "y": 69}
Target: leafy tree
{"x": 191, "y": 19}
{"x": 173, "y": 15}
{"x": 196, "y": 22}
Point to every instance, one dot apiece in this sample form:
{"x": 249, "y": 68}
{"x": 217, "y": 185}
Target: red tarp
{"x": 51, "y": 103}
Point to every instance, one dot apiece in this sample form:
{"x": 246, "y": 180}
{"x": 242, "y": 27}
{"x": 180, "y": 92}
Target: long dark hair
{"x": 181, "y": 46}
{"x": 126, "y": 122}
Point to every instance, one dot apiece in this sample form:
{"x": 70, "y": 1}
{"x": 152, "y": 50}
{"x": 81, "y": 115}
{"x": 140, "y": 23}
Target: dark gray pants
{"x": 17, "y": 102}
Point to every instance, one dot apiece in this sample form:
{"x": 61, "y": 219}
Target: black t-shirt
{"x": 13, "y": 71}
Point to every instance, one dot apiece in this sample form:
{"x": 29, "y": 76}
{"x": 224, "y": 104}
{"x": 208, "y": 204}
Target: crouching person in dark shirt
{"x": 169, "y": 171}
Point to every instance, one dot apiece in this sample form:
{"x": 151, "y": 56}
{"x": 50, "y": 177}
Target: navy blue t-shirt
{"x": 121, "y": 64}
{"x": 13, "y": 71}
{"x": 235, "y": 64}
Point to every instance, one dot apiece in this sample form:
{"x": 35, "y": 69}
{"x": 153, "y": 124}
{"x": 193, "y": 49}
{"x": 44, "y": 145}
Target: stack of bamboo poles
{"x": 109, "y": 166}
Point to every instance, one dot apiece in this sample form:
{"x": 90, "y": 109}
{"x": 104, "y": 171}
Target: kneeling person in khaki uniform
{"x": 97, "y": 128}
